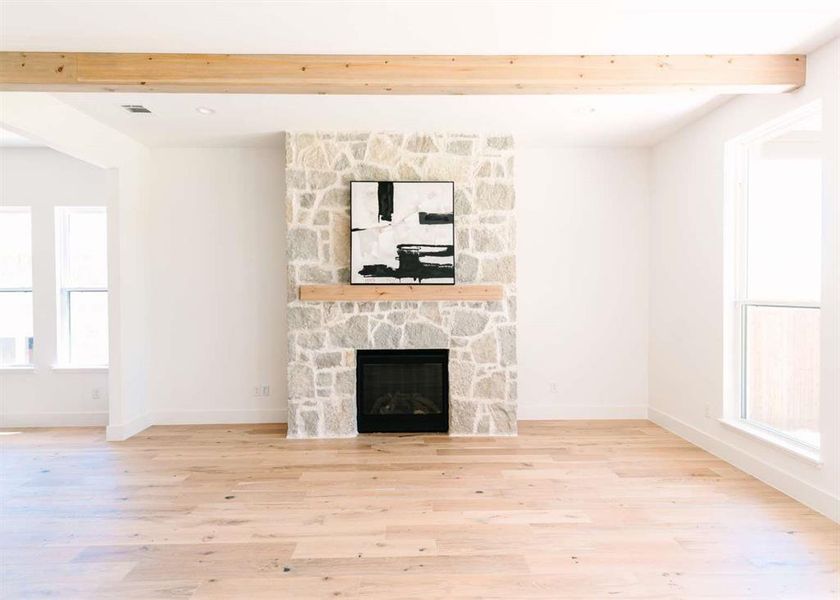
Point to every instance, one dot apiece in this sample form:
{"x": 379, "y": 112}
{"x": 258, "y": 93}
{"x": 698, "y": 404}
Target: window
{"x": 16, "y": 336}
{"x": 776, "y": 312}
{"x": 81, "y": 261}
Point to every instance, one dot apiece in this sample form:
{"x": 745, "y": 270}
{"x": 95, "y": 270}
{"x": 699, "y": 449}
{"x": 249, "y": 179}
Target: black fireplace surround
{"x": 402, "y": 390}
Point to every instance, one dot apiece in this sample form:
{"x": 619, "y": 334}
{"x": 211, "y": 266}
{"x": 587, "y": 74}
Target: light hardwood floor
{"x": 566, "y": 510}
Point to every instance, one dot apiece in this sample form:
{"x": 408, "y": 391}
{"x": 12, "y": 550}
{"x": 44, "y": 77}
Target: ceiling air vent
{"x": 136, "y": 108}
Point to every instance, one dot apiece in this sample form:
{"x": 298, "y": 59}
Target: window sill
{"x": 17, "y": 369}
{"x": 802, "y": 452}
{"x": 80, "y": 369}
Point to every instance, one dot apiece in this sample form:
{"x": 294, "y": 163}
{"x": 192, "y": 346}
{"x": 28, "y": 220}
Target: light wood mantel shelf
{"x": 418, "y": 293}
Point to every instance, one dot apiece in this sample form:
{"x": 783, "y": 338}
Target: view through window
{"x": 81, "y": 246}
{"x": 16, "y": 330}
{"x": 779, "y": 279}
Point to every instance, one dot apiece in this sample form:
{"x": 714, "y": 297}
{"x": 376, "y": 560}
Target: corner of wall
{"x": 121, "y": 432}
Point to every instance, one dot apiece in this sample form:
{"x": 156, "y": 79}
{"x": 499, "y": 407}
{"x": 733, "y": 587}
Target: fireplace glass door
{"x": 402, "y": 390}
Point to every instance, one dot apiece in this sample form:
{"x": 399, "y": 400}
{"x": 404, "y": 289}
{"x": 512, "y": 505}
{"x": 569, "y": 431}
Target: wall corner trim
{"x": 120, "y": 433}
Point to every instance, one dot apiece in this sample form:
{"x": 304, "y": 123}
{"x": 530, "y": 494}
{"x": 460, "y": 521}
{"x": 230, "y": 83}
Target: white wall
{"x": 42, "y": 179}
{"x": 44, "y": 118}
{"x": 206, "y": 288}
{"x": 216, "y": 314}
{"x": 582, "y": 268}
{"x": 218, "y": 286}
{"x": 687, "y": 287}
{"x": 129, "y": 291}
{"x": 216, "y": 270}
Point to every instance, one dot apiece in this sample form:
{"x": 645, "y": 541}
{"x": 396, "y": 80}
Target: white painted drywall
{"x": 582, "y": 282}
{"x": 43, "y": 179}
{"x": 217, "y": 276}
{"x": 128, "y": 249}
{"x": 687, "y": 287}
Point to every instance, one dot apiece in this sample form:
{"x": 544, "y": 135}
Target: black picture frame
{"x": 454, "y": 216}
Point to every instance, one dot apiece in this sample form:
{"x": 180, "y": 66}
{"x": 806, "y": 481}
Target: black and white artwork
{"x": 402, "y": 232}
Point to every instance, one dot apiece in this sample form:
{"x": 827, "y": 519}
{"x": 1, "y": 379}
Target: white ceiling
{"x": 429, "y": 26}
{"x": 256, "y": 119}
{"x": 573, "y": 27}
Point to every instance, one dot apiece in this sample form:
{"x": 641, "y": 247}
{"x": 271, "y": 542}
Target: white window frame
{"x": 737, "y": 300}
{"x": 65, "y": 329}
{"x": 3, "y": 290}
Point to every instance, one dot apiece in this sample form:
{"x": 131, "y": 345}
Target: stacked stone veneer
{"x": 323, "y": 336}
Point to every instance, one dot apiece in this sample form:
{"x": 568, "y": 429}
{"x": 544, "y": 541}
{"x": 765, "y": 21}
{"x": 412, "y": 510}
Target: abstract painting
{"x": 402, "y": 232}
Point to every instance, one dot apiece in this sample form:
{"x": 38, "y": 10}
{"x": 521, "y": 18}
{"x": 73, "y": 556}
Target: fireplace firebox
{"x": 402, "y": 390}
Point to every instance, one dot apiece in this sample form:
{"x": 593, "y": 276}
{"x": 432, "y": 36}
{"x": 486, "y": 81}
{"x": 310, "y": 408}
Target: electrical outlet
{"x": 553, "y": 387}
{"x": 266, "y": 391}
{"x": 256, "y": 391}
{"x": 96, "y": 393}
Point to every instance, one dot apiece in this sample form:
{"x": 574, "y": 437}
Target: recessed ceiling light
{"x": 205, "y": 110}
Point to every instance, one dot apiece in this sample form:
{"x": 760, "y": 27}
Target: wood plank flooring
{"x": 583, "y": 509}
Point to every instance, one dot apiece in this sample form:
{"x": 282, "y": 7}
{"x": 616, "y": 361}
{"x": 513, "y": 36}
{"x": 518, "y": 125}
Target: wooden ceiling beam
{"x": 385, "y": 75}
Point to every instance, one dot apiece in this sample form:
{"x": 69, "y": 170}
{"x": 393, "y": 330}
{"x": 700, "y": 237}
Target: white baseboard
{"x": 54, "y": 419}
{"x": 120, "y": 433}
{"x": 219, "y": 417}
{"x": 788, "y": 484}
{"x": 549, "y": 412}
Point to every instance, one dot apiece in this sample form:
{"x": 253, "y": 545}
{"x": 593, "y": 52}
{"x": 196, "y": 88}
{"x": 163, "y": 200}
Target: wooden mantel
{"x": 398, "y": 74}
{"x": 418, "y": 293}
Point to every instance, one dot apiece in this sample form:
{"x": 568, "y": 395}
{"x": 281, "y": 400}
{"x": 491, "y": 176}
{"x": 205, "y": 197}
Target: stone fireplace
{"x": 325, "y": 336}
